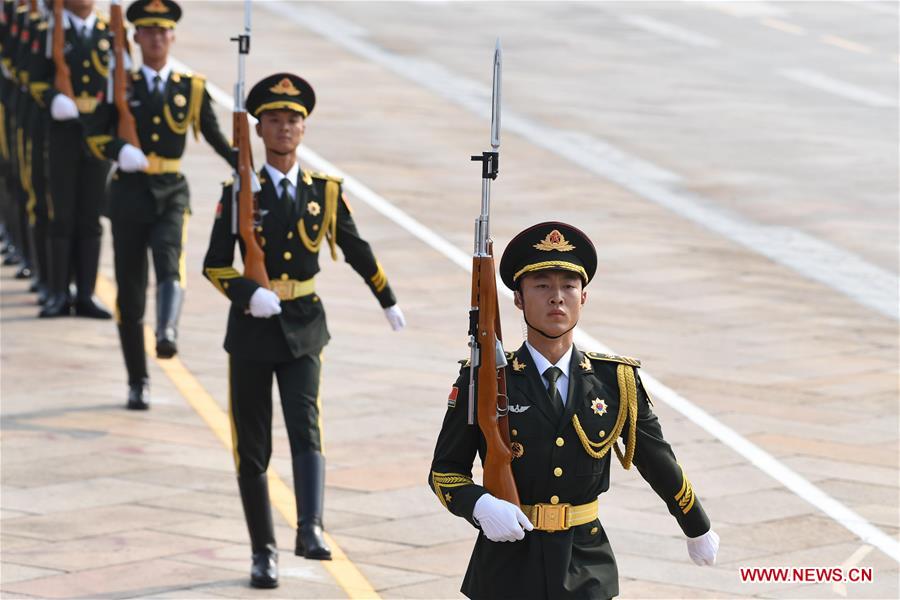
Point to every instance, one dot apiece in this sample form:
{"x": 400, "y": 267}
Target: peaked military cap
{"x": 548, "y": 246}
{"x": 154, "y": 13}
{"x": 281, "y": 91}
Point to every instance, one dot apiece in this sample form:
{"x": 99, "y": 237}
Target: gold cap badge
{"x": 285, "y": 87}
{"x": 554, "y": 241}
{"x": 156, "y": 6}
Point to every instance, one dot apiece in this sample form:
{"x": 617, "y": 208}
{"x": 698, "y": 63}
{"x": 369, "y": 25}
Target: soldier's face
{"x": 79, "y": 7}
{"x": 154, "y": 42}
{"x": 281, "y": 130}
{"x": 552, "y": 300}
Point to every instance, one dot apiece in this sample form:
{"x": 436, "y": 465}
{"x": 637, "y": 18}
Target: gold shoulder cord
{"x": 329, "y": 222}
{"x": 98, "y": 64}
{"x": 627, "y": 412}
{"x": 193, "y": 113}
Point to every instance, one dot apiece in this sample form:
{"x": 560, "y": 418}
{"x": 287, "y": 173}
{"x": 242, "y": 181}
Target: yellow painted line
{"x": 783, "y": 26}
{"x": 840, "y": 42}
{"x": 344, "y": 572}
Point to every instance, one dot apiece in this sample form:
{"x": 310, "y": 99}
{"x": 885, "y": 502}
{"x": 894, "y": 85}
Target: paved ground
{"x": 736, "y": 164}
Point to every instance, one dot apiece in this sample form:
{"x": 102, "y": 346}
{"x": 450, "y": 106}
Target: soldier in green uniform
{"x": 567, "y": 410}
{"x": 77, "y": 179}
{"x": 149, "y": 200}
{"x": 281, "y": 330}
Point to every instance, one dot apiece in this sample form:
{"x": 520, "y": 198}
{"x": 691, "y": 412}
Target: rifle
{"x": 487, "y": 376}
{"x": 127, "y": 129}
{"x": 245, "y": 210}
{"x": 63, "y": 79}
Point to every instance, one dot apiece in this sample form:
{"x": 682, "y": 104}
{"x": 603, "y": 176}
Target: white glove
{"x": 703, "y": 549}
{"x": 500, "y": 520}
{"x": 395, "y": 317}
{"x": 264, "y": 303}
{"x": 63, "y": 108}
{"x": 131, "y": 159}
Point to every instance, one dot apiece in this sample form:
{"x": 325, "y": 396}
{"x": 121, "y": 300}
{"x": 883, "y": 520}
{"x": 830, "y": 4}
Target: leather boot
{"x": 258, "y": 514}
{"x": 58, "y": 304}
{"x": 169, "y": 297}
{"x": 131, "y": 336}
{"x": 86, "y": 304}
{"x": 309, "y": 489}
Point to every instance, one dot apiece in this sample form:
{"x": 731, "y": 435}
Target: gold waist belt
{"x": 158, "y": 164}
{"x": 559, "y": 517}
{"x": 86, "y": 104}
{"x": 290, "y": 289}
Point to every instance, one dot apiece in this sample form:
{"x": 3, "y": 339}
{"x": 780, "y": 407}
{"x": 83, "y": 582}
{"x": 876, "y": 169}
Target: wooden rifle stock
{"x": 127, "y": 129}
{"x": 492, "y": 402}
{"x": 63, "y": 78}
{"x": 254, "y": 258}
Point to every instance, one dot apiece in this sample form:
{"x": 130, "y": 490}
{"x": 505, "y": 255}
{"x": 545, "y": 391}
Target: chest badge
{"x": 518, "y": 450}
{"x": 314, "y": 208}
{"x": 598, "y": 406}
{"x": 518, "y": 408}
{"x": 179, "y": 100}
{"x": 517, "y": 366}
{"x": 103, "y": 44}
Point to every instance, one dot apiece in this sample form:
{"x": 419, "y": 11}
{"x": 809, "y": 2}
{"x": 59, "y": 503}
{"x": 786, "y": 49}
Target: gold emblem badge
{"x": 286, "y": 87}
{"x": 518, "y": 450}
{"x": 598, "y": 406}
{"x": 103, "y": 44}
{"x": 517, "y": 366}
{"x": 554, "y": 241}
{"x": 179, "y": 100}
{"x": 156, "y": 6}
{"x": 585, "y": 364}
{"x": 314, "y": 208}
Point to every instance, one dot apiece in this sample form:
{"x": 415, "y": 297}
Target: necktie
{"x": 286, "y": 196}
{"x": 552, "y": 374}
{"x": 85, "y": 32}
{"x": 157, "y": 89}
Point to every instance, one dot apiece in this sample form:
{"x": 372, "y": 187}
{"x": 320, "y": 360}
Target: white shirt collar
{"x": 80, "y": 23}
{"x": 150, "y": 74}
{"x": 542, "y": 364}
{"x": 276, "y": 176}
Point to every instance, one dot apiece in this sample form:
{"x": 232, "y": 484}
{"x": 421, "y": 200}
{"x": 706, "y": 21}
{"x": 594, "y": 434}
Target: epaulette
{"x": 227, "y": 182}
{"x": 21, "y": 9}
{"x": 43, "y": 26}
{"x": 326, "y": 176}
{"x": 625, "y": 360}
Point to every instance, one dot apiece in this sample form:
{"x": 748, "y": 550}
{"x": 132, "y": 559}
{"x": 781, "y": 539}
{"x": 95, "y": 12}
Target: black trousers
{"x": 165, "y": 238}
{"x": 250, "y": 407}
{"x": 77, "y": 183}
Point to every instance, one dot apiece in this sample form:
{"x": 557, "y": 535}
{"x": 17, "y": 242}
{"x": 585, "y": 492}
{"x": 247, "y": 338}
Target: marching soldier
{"x": 77, "y": 179}
{"x": 567, "y": 410}
{"x": 149, "y": 200}
{"x": 282, "y": 331}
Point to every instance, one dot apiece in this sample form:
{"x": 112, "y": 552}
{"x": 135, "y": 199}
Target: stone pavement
{"x": 99, "y": 502}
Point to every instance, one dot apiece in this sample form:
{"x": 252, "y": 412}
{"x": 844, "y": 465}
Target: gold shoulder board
{"x": 625, "y": 360}
{"x": 326, "y": 176}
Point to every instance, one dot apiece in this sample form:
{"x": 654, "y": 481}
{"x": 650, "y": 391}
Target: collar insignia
{"x": 585, "y": 364}
{"x": 554, "y": 241}
{"x": 517, "y": 366}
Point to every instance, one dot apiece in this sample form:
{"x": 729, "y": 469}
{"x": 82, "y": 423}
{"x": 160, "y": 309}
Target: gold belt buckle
{"x": 154, "y": 163}
{"x": 551, "y": 517}
{"x": 282, "y": 289}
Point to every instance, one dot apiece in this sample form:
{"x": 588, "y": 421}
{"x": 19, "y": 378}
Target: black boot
{"x": 86, "y": 305}
{"x": 58, "y": 302}
{"x": 138, "y": 395}
{"x": 39, "y": 238}
{"x": 131, "y": 336}
{"x": 169, "y": 297}
{"x": 258, "y": 514}
{"x": 309, "y": 489}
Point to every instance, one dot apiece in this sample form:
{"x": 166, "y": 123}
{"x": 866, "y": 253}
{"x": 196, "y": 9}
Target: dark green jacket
{"x": 291, "y": 244}
{"x": 577, "y": 563}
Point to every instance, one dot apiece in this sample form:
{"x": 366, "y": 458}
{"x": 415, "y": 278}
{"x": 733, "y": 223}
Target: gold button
{"x": 602, "y": 433}
{"x": 560, "y": 442}
{"x": 85, "y": 78}
{"x": 180, "y": 115}
{"x": 594, "y": 530}
{"x": 557, "y": 471}
{"x": 224, "y": 285}
{"x": 515, "y": 432}
{"x": 554, "y": 499}
{"x": 156, "y": 120}
{"x": 86, "y": 63}
{"x": 315, "y": 227}
{"x": 290, "y": 234}
{"x": 155, "y": 137}
{"x": 287, "y": 256}
{"x": 284, "y": 277}
{"x": 315, "y": 298}
{"x": 258, "y": 228}
{"x": 262, "y": 241}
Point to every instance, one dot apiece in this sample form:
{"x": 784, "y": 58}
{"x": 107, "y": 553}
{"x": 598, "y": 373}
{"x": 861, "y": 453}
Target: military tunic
{"x": 560, "y": 460}
{"x": 287, "y": 345}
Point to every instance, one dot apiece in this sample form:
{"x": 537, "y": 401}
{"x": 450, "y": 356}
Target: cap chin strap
{"x": 530, "y": 326}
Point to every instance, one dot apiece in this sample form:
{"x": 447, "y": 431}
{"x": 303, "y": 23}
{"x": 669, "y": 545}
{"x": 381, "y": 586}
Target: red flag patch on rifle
{"x": 219, "y": 211}
{"x": 451, "y": 399}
